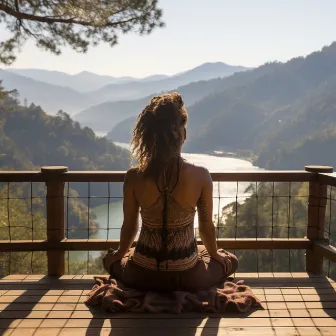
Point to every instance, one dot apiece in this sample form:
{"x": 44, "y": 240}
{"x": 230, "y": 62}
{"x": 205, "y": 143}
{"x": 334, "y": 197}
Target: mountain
{"x": 153, "y": 78}
{"x": 51, "y": 98}
{"x": 277, "y": 94}
{"x": 284, "y": 112}
{"x": 111, "y": 113}
{"x": 82, "y": 82}
{"x": 122, "y": 132}
{"x": 299, "y": 139}
{"x": 139, "y": 89}
{"x": 56, "y": 91}
{"x": 205, "y": 92}
{"x": 29, "y": 138}
{"x": 107, "y": 116}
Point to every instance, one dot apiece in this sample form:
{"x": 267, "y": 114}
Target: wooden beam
{"x": 328, "y": 179}
{"x": 263, "y": 176}
{"x": 23, "y": 245}
{"x": 21, "y": 176}
{"x": 104, "y": 245}
{"x": 241, "y": 176}
{"x": 324, "y": 250}
{"x": 55, "y": 217}
{"x": 317, "y": 203}
{"x": 118, "y": 176}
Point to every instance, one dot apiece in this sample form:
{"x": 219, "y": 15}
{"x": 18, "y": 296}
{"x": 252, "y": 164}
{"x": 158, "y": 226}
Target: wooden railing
{"x": 56, "y": 244}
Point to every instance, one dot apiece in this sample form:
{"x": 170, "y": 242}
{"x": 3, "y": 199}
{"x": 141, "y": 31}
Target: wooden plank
{"x": 317, "y": 203}
{"x": 328, "y": 179}
{"x": 118, "y": 176}
{"x": 55, "y": 218}
{"x": 324, "y": 250}
{"x": 66, "y": 314}
{"x": 235, "y": 331}
{"x": 21, "y": 176}
{"x": 187, "y": 323}
{"x": 261, "y": 276}
{"x": 104, "y": 245}
{"x": 229, "y": 176}
{"x": 263, "y": 176}
{"x": 249, "y": 331}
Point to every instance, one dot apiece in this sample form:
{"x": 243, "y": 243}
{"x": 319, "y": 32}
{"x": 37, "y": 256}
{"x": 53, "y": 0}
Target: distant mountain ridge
{"x": 51, "y": 98}
{"x": 139, "y": 89}
{"x": 56, "y": 90}
{"x": 83, "y": 81}
{"x": 112, "y": 112}
{"x": 276, "y": 93}
{"x": 284, "y": 112}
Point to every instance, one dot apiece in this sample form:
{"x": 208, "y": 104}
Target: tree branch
{"x": 24, "y": 16}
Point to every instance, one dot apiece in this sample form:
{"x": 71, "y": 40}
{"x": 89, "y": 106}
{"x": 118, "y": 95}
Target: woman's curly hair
{"x": 158, "y": 134}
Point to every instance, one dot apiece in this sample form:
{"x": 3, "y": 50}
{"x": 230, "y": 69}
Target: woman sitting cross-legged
{"x": 167, "y": 190}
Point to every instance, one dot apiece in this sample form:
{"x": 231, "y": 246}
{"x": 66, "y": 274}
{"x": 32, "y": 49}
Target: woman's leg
{"x": 208, "y": 272}
{"x": 137, "y": 277}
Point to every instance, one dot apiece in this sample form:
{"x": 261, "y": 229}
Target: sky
{"x": 237, "y": 32}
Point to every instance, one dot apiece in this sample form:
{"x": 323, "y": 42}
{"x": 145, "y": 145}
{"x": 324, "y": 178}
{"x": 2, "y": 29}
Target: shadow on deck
{"x": 295, "y": 304}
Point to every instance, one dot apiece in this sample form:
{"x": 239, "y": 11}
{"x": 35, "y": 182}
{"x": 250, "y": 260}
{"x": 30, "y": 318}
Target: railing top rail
{"x": 118, "y": 176}
{"x": 328, "y": 179}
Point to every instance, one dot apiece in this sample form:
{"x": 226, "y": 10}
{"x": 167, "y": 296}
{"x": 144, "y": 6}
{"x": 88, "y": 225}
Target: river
{"x": 224, "y": 193}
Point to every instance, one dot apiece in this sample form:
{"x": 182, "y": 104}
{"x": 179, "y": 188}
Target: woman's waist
{"x": 173, "y": 265}
{"x": 157, "y": 223}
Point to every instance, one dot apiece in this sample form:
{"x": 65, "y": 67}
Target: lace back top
{"x": 167, "y": 241}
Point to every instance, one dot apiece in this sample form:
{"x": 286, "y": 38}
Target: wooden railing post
{"x": 317, "y": 203}
{"x": 55, "y": 216}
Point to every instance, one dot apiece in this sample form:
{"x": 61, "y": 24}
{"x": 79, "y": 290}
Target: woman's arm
{"x": 130, "y": 225}
{"x": 206, "y": 227}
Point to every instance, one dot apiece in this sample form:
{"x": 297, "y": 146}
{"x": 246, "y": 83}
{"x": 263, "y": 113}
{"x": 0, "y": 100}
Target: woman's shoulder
{"x": 200, "y": 171}
{"x": 132, "y": 174}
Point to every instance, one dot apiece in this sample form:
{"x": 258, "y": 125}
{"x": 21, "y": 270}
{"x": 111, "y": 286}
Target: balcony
{"x": 289, "y": 265}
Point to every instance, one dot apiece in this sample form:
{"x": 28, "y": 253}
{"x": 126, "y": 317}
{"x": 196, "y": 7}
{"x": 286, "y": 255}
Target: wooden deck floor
{"x": 295, "y": 304}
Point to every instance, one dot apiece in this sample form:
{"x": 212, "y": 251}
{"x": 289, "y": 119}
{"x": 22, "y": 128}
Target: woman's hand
{"x": 224, "y": 259}
{"x": 110, "y": 258}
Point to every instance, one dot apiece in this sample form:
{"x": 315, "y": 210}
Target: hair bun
{"x": 177, "y": 98}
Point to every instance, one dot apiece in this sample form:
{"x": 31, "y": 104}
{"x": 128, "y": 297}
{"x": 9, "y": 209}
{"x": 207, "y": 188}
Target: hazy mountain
{"x": 82, "y": 82}
{"x": 284, "y": 112}
{"x": 138, "y": 89}
{"x": 106, "y": 116}
{"x": 152, "y": 78}
{"x": 308, "y": 136}
{"x": 122, "y": 132}
{"x": 210, "y": 90}
{"x": 51, "y": 98}
{"x": 249, "y": 115}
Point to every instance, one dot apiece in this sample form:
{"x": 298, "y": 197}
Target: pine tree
{"x": 75, "y": 23}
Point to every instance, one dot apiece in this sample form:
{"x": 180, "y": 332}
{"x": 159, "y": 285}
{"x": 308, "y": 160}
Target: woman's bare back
{"x": 188, "y": 186}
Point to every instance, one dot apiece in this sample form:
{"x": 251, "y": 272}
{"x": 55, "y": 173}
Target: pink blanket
{"x": 113, "y": 296}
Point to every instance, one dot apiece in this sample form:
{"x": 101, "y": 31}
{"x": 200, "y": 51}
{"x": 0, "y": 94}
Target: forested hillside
{"x": 245, "y": 110}
{"x": 50, "y": 97}
{"x": 307, "y": 136}
{"x": 29, "y": 138}
{"x": 261, "y": 107}
{"x": 112, "y": 112}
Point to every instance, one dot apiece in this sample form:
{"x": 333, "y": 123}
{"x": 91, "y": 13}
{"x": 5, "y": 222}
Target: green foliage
{"x": 274, "y": 210}
{"x": 78, "y": 24}
{"x": 30, "y": 138}
{"x": 275, "y": 105}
